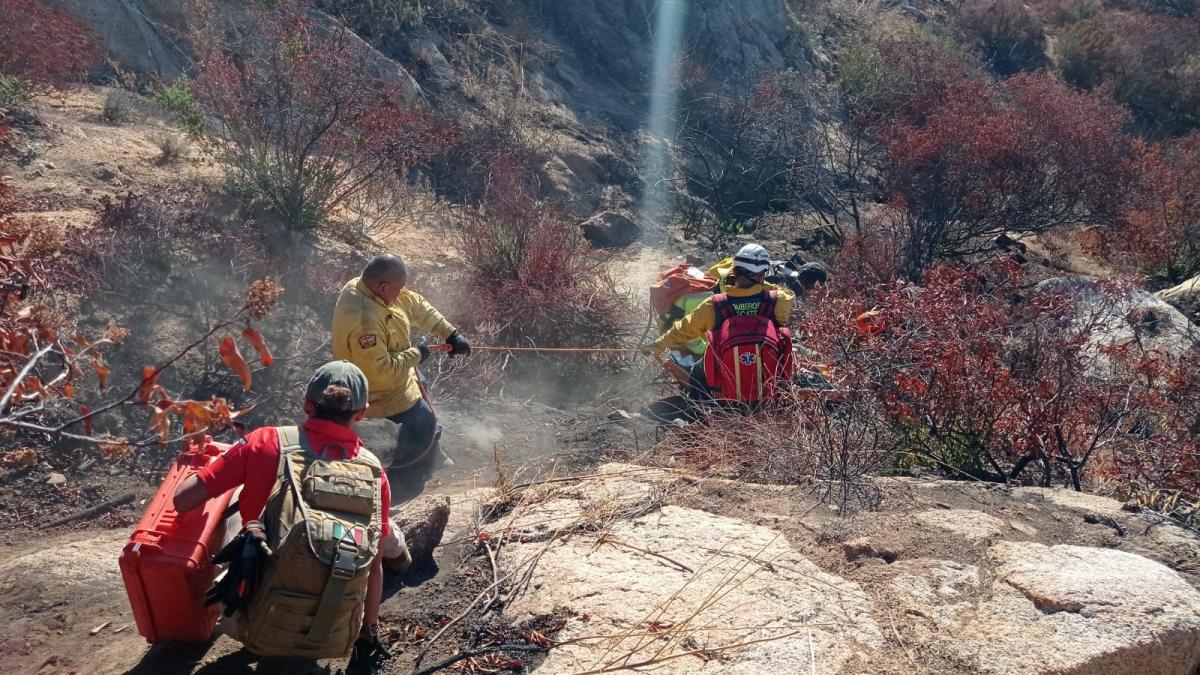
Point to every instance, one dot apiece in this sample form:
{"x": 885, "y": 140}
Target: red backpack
{"x": 748, "y": 354}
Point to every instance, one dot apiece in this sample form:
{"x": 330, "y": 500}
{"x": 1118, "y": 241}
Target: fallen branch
{"x": 1100, "y": 519}
{"x": 97, "y": 509}
{"x": 460, "y": 617}
{"x": 495, "y": 576}
{"x": 691, "y": 652}
{"x": 12, "y": 387}
{"x": 609, "y": 539}
{"x": 468, "y": 653}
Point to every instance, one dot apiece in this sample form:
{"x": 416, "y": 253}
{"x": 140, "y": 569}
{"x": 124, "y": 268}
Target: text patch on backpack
{"x": 340, "y": 486}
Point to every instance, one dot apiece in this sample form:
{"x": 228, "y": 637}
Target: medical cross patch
{"x": 747, "y": 359}
{"x": 367, "y": 341}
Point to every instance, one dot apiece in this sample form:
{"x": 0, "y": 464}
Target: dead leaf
{"x": 116, "y": 449}
{"x": 233, "y": 358}
{"x": 256, "y": 340}
{"x": 85, "y": 411}
{"x": 19, "y": 458}
{"x": 149, "y": 382}
{"x": 102, "y": 372}
{"x": 196, "y": 416}
{"x": 160, "y": 424}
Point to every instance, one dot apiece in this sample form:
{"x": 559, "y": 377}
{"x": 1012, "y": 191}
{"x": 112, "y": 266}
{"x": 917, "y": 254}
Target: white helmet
{"x": 752, "y": 258}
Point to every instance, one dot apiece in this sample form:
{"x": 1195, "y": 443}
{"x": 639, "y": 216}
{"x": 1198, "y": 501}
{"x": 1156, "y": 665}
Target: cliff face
{"x": 144, "y": 37}
{"x": 610, "y": 44}
{"x": 579, "y": 71}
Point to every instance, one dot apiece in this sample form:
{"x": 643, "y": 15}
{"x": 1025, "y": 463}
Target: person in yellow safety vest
{"x": 744, "y": 279}
{"x": 372, "y": 323}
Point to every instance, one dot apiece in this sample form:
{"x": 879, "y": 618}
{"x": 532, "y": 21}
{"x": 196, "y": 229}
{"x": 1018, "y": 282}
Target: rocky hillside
{"x": 575, "y": 75}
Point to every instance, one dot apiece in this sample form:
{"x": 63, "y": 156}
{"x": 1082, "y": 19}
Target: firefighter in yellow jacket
{"x": 372, "y": 323}
{"x": 745, "y": 283}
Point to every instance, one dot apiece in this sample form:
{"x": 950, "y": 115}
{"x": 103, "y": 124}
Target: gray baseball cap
{"x": 339, "y": 374}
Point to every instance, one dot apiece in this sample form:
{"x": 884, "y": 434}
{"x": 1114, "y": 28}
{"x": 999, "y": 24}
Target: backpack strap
{"x": 722, "y": 309}
{"x": 290, "y": 439}
{"x": 767, "y": 306}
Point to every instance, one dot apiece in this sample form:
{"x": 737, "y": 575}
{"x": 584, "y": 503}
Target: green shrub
{"x": 13, "y": 92}
{"x": 179, "y": 100}
{"x": 905, "y": 75}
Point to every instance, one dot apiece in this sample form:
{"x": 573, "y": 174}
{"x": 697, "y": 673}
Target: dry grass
{"x": 117, "y": 107}
{"x": 829, "y": 444}
{"x": 171, "y": 147}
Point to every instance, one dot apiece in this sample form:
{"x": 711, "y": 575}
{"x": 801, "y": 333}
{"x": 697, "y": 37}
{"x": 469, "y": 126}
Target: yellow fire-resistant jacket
{"x": 702, "y": 319}
{"x": 376, "y": 337}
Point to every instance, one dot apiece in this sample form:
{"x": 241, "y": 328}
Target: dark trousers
{"x": 697, "y": 386}
{"x": 415, "y": 439}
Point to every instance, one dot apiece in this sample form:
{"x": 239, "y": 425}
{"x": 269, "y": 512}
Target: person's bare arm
{"x": 190, "y": 494}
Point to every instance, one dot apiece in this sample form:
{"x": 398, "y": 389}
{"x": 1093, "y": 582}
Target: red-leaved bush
{"x": 1028, "y": 155}
{"x": 533, "y": 278}
{"x": 1160, "y": 232}
{"x": 42, "y": 47}
{"x": 976, "y": 374}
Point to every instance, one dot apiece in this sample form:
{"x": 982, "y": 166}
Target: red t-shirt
{"x": 253, "y": 463}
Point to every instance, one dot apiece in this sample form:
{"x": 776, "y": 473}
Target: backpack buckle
{"x": 343, "y": 560}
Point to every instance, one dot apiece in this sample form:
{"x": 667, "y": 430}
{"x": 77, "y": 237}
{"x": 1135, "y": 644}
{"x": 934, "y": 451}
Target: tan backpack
{"x": 323, "y": 525}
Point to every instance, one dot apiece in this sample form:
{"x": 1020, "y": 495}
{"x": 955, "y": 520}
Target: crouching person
{"x": 305, "y": 578}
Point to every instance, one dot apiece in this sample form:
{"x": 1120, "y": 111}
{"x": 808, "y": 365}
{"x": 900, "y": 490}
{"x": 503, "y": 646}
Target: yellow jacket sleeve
{"x": 368, "y": 351}
{"x": 785, "y": 301}
{"x": 697, "y": 322}
{"x": 424, "y": 316}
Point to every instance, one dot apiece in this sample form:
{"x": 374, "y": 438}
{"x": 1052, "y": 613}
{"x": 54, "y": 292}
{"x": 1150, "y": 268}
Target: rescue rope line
{"x": 582, "y": 350}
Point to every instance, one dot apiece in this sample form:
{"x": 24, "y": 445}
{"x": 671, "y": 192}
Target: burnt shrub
{"x": 1150, "y": 63}
{"x": 535, "y": 280}
{"x": 143, "y": 240}
{"x": 1007, "y": 33}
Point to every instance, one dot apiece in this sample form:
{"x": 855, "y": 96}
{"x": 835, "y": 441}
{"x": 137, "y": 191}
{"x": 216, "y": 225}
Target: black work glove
{"x": 458, "y": 344}
{"x": 246, "y": 554}
{"x": 368, "y": 651}
{"x": 424, "y": 349}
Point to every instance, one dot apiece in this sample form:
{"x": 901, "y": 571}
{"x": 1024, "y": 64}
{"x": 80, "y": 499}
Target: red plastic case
{"x": 166, "y": 564}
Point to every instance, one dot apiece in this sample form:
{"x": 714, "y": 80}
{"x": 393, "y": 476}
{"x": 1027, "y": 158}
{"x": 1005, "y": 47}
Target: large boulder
{"x": 970, "y": 525}
{"x": 670, "y": 572}
{"x": 1074, "y": 609}
{"x": 423, "y": 522}
{"x": 676, "y": 585}
{"x": 1122, "y": 316}
{"x": 148, "y": 38}
{"x": 1185, "y": 297}
{"x": 610, "y": 229}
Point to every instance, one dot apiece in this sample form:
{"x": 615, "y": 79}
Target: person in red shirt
{"x": 336, "y": 398}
